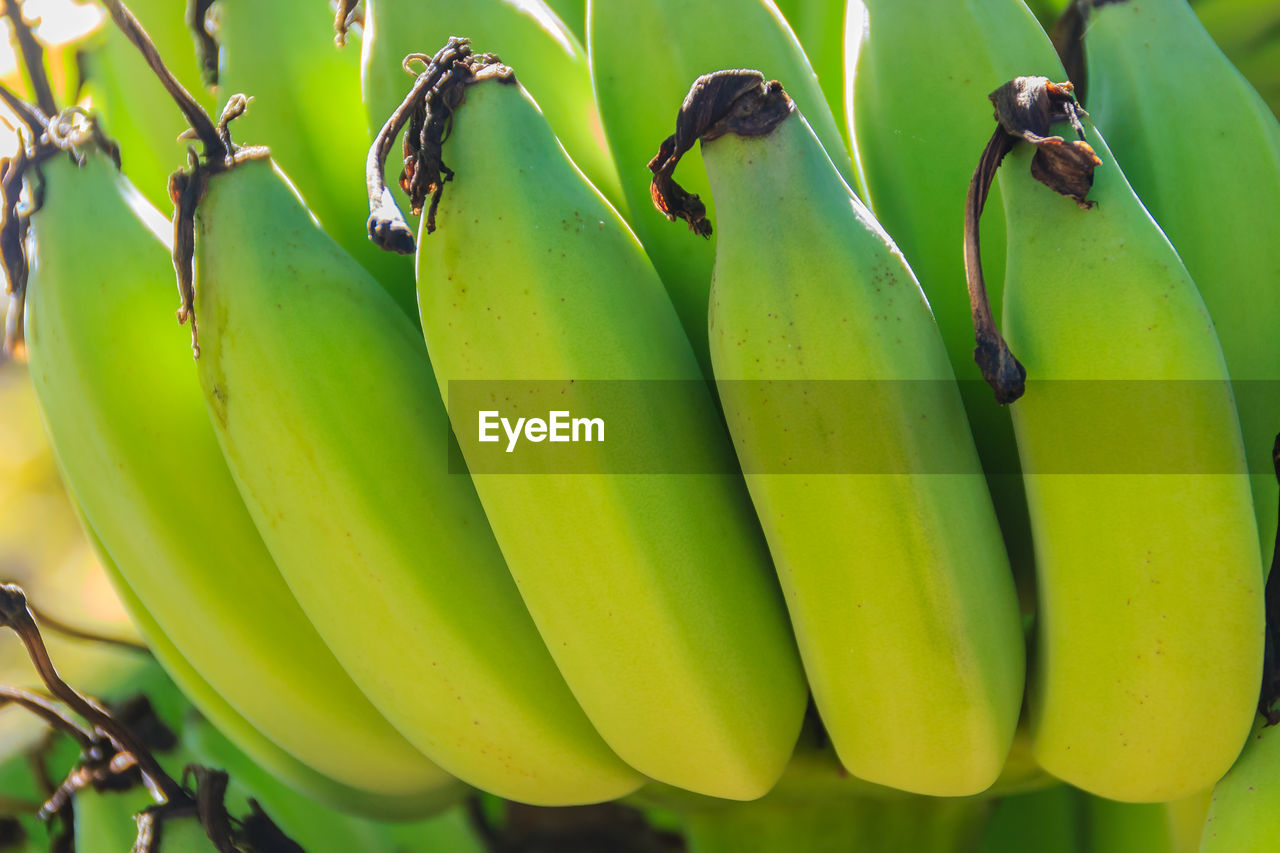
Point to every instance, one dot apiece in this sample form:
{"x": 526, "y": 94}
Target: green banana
{"x": 1249, "y": 34}
{"x": 908, "y": 548}
{"x": 1150, "y": 623}
{"x": 305, "y": 106}
{"x": 1047, "y": 821}
{"x": 128, "y": 425}
{"x": 265, "y": 753}
{"x": 324, "y": 403}
{"x": 917, "y": 152}
{"x": 1213, "y": 184}
{"x": 674, "y": 41}
{"x": 819, "y": 27}
{"x": 650, "y": 585}
{"x": 524, "y": 33}
{"x": 132, "y": 105}
{"x": 1242, "y": 814}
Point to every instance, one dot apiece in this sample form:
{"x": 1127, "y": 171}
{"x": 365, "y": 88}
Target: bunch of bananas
{"x": 557, "y": 501}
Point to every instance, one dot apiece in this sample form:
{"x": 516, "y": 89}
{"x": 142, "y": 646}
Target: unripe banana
{"x": 881, "y": 526}
{"x": 324, "y": 402}
{"x": 306, "y": 107}
{"x": 651, "y": 587}
{"x": 527, "y": 34}
{"x": 104, "y": 820}
{"x": 1150, "y": 623}
{"x": 1242, "y": 814}
{"x": 1202, "y": 151}
{"x": 819, "y": 27}
{"x": 918, "y": 84}
{"x": 128, "y": 424}
{"x": 265, "y": 753}
{"x": 674, "y": 41}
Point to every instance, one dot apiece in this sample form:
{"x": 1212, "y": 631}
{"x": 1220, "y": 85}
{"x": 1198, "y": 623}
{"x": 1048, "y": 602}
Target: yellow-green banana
{"x": 819, "y": 27}
{"x": 1149, "y": 631}
{"x": 526, "y": 34}
{"x": 647, "y": 576}
{"x": 1202, "y": 151}
{"x": 918, "y": 153}
{"x": 265, "y": 753}
{"x": 129, "y": 427}
{"x": 324, "y": 402}
{"x": 306, "y": 107}
{"x": 847, "y": 421}
{"x": 1242, "y": 814}
{"x": 643, "y": 55}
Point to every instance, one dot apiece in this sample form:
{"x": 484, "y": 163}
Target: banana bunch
{"x": 477, "y": 473}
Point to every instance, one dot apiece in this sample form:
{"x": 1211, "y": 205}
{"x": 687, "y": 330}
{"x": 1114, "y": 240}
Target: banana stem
{"x": 32, "y": 57}
{"x": 386, "y": 225}
{"x": 206, "y": 44}
{"x": 15, "y": 614}
{"x": 45, "y": 709}
{"x": 215, "y": 147}
{"x": 60, "y": 627}
{"x": 344, "y": 18}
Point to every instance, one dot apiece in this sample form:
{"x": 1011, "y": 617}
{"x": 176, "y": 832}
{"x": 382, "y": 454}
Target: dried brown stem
{"x": 67, "y": 630}
{"x": 201, "y": 123}
{"x": 206, "y": 44}
{"x": 32, "y": 57}
{"x": 386, "y": 225}
{"x": 731, "y": 101}
{"x": 344, "y": 16}
{"x": 47, "y": 710}
{"x": 15, "y": 614}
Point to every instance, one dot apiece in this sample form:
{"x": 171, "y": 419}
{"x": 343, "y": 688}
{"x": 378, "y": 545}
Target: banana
{"x": 1045, "y": 820}
{"x": 819, "y": 27}
{"x": 1150, "y": 623}
{"x": 865, "y": 548}
{"x": 306, "y": 107}
{"x": 324, "y": 403}
{"x": 1155, "y": 78}
{"x": 1243, "y": 809}
{"x": 917, "y": 153}
{"x": 265, "y": 753}
{"x": 131, "y": 104}
{"x": 640, "y": 561}
{"x": 128, "y": 425}
{"x": 527, "y": 34}
{"x": 674, "y": 41}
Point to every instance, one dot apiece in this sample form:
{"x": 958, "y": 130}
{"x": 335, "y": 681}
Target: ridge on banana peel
{"x": 907, "y": 548}
{"x": 650, "y": 586}
{"x": 1202, "y": 150}
{"x": 324, "y": 403}
{"x": 1149, "y": 632}
{"x": 127, "y": 422}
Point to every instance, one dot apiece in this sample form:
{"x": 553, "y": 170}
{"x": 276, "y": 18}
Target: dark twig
{"x": 45, "y": 708}
{"x": 15, "y": 615}
{"x": 60, "y": 627}
{"x": 1026, "y": 108}
{"x": 201, "y": 124}
{"x": 344, "y": 17}
{"x": 32, "y": 57}
{"x": 387, "y": 226}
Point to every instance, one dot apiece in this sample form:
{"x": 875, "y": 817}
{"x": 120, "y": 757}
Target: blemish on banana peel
{"x": 428, "y": 110}
{"x": 1026, "y": 108}
{"x": 731, "y": 101}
